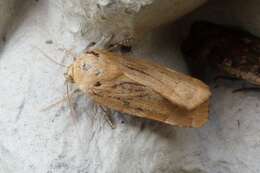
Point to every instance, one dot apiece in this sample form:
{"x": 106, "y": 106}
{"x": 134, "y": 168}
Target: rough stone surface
{"x": 50, "y": 141}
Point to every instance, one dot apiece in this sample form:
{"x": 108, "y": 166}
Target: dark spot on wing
{"x": 97, "y": 84}
{"x": 93, "y": 53}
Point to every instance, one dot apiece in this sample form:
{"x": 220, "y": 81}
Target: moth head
{"x": 91, "y": 69}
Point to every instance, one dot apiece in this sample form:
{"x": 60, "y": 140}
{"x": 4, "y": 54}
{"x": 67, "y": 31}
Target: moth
{"x": 232, "y": 51}
{"x": 141, "y": 88}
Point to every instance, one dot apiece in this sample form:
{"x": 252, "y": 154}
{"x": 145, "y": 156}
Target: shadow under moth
{"x": 232, "y": 51}
{"x": 141, "y": 88}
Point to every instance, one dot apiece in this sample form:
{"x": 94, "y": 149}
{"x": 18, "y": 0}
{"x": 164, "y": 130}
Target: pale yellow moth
{"x": 141, "y": 88}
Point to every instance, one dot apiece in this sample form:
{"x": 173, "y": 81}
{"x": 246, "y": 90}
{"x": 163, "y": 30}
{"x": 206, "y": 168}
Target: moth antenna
{"x": 56, "y": 103}
{"x": 108, "y": 117}
{"x": 49, "y": 58}
{"x": 69, "y": 52}
{"x": 53, "y": 104}
{"x": 69, "y": 102}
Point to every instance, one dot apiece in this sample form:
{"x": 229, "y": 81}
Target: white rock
{"x": 50, "y": 141}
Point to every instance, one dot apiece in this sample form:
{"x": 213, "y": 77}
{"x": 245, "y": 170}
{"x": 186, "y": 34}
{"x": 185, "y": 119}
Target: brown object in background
{"x": 141, "y": 88}
{"x": 229, "y": 49}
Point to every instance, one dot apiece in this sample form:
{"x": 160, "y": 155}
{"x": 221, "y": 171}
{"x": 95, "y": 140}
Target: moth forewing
{"x": 130, "y": 86}
{"x": 180, "y": 89}
{"x": 125, "y": 95}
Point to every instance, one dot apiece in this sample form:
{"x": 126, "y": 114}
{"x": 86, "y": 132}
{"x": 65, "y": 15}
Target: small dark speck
{"x": 127, "y": 11}
{"x": 216, "y": 86}
{"x": 4, "y": 38}
{"x": 36, "y": 0}
{"x": 92, "y": 44}
{"x": 238, "y": 123}
{"x": 97, "y": 84}
{"x": 61, "y": 165}
{"x": 48, "y": 41}
{"x": 31, "y": 166}
{"x": 142, "y": 126}
{"x": 122, "y": 121}
{"x": 93, "y": 53}
{"x": 139, "y": 109}
{"x": 125, "y": 49}
{"x": 98, "y": 72}
{"x": 103, "y": 18}
{"x": 126, "y": 103}
{"x": 57, "y": 115}
{"x": 20, "y": 110}
{"x": 61, "y": 156}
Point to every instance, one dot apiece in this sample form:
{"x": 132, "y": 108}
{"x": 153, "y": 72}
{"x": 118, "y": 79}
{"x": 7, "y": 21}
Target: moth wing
{"x": 180, "y": 89}
{"x": 245, "y": 65}
{"x": 243, "y": 74}
{"x": 128, "y": 96}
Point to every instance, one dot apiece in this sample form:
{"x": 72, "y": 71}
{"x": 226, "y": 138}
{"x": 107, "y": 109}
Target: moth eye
{"x": 97, "y": 84}
{"x": 85, "y": 67}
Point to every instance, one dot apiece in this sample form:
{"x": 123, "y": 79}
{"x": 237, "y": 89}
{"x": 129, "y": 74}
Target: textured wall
{"x": 91, "y": 19}
{"x": 49, "y": 141}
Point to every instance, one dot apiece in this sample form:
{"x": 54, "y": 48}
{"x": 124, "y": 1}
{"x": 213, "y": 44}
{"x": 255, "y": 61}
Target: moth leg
{"x": 56, "y": 103}
{"x": 68, "y": 52}
{"x": 108, "y": 117}
{"x": 49, "y": 58}
{"x": 254, "y": 89}
{"x": 223, "y": 77}
{"x": 218, "y": 77}
{"x": 124, "y": 46}
{"x": 257, "y": 89}
{"x": 102, "y": 43}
